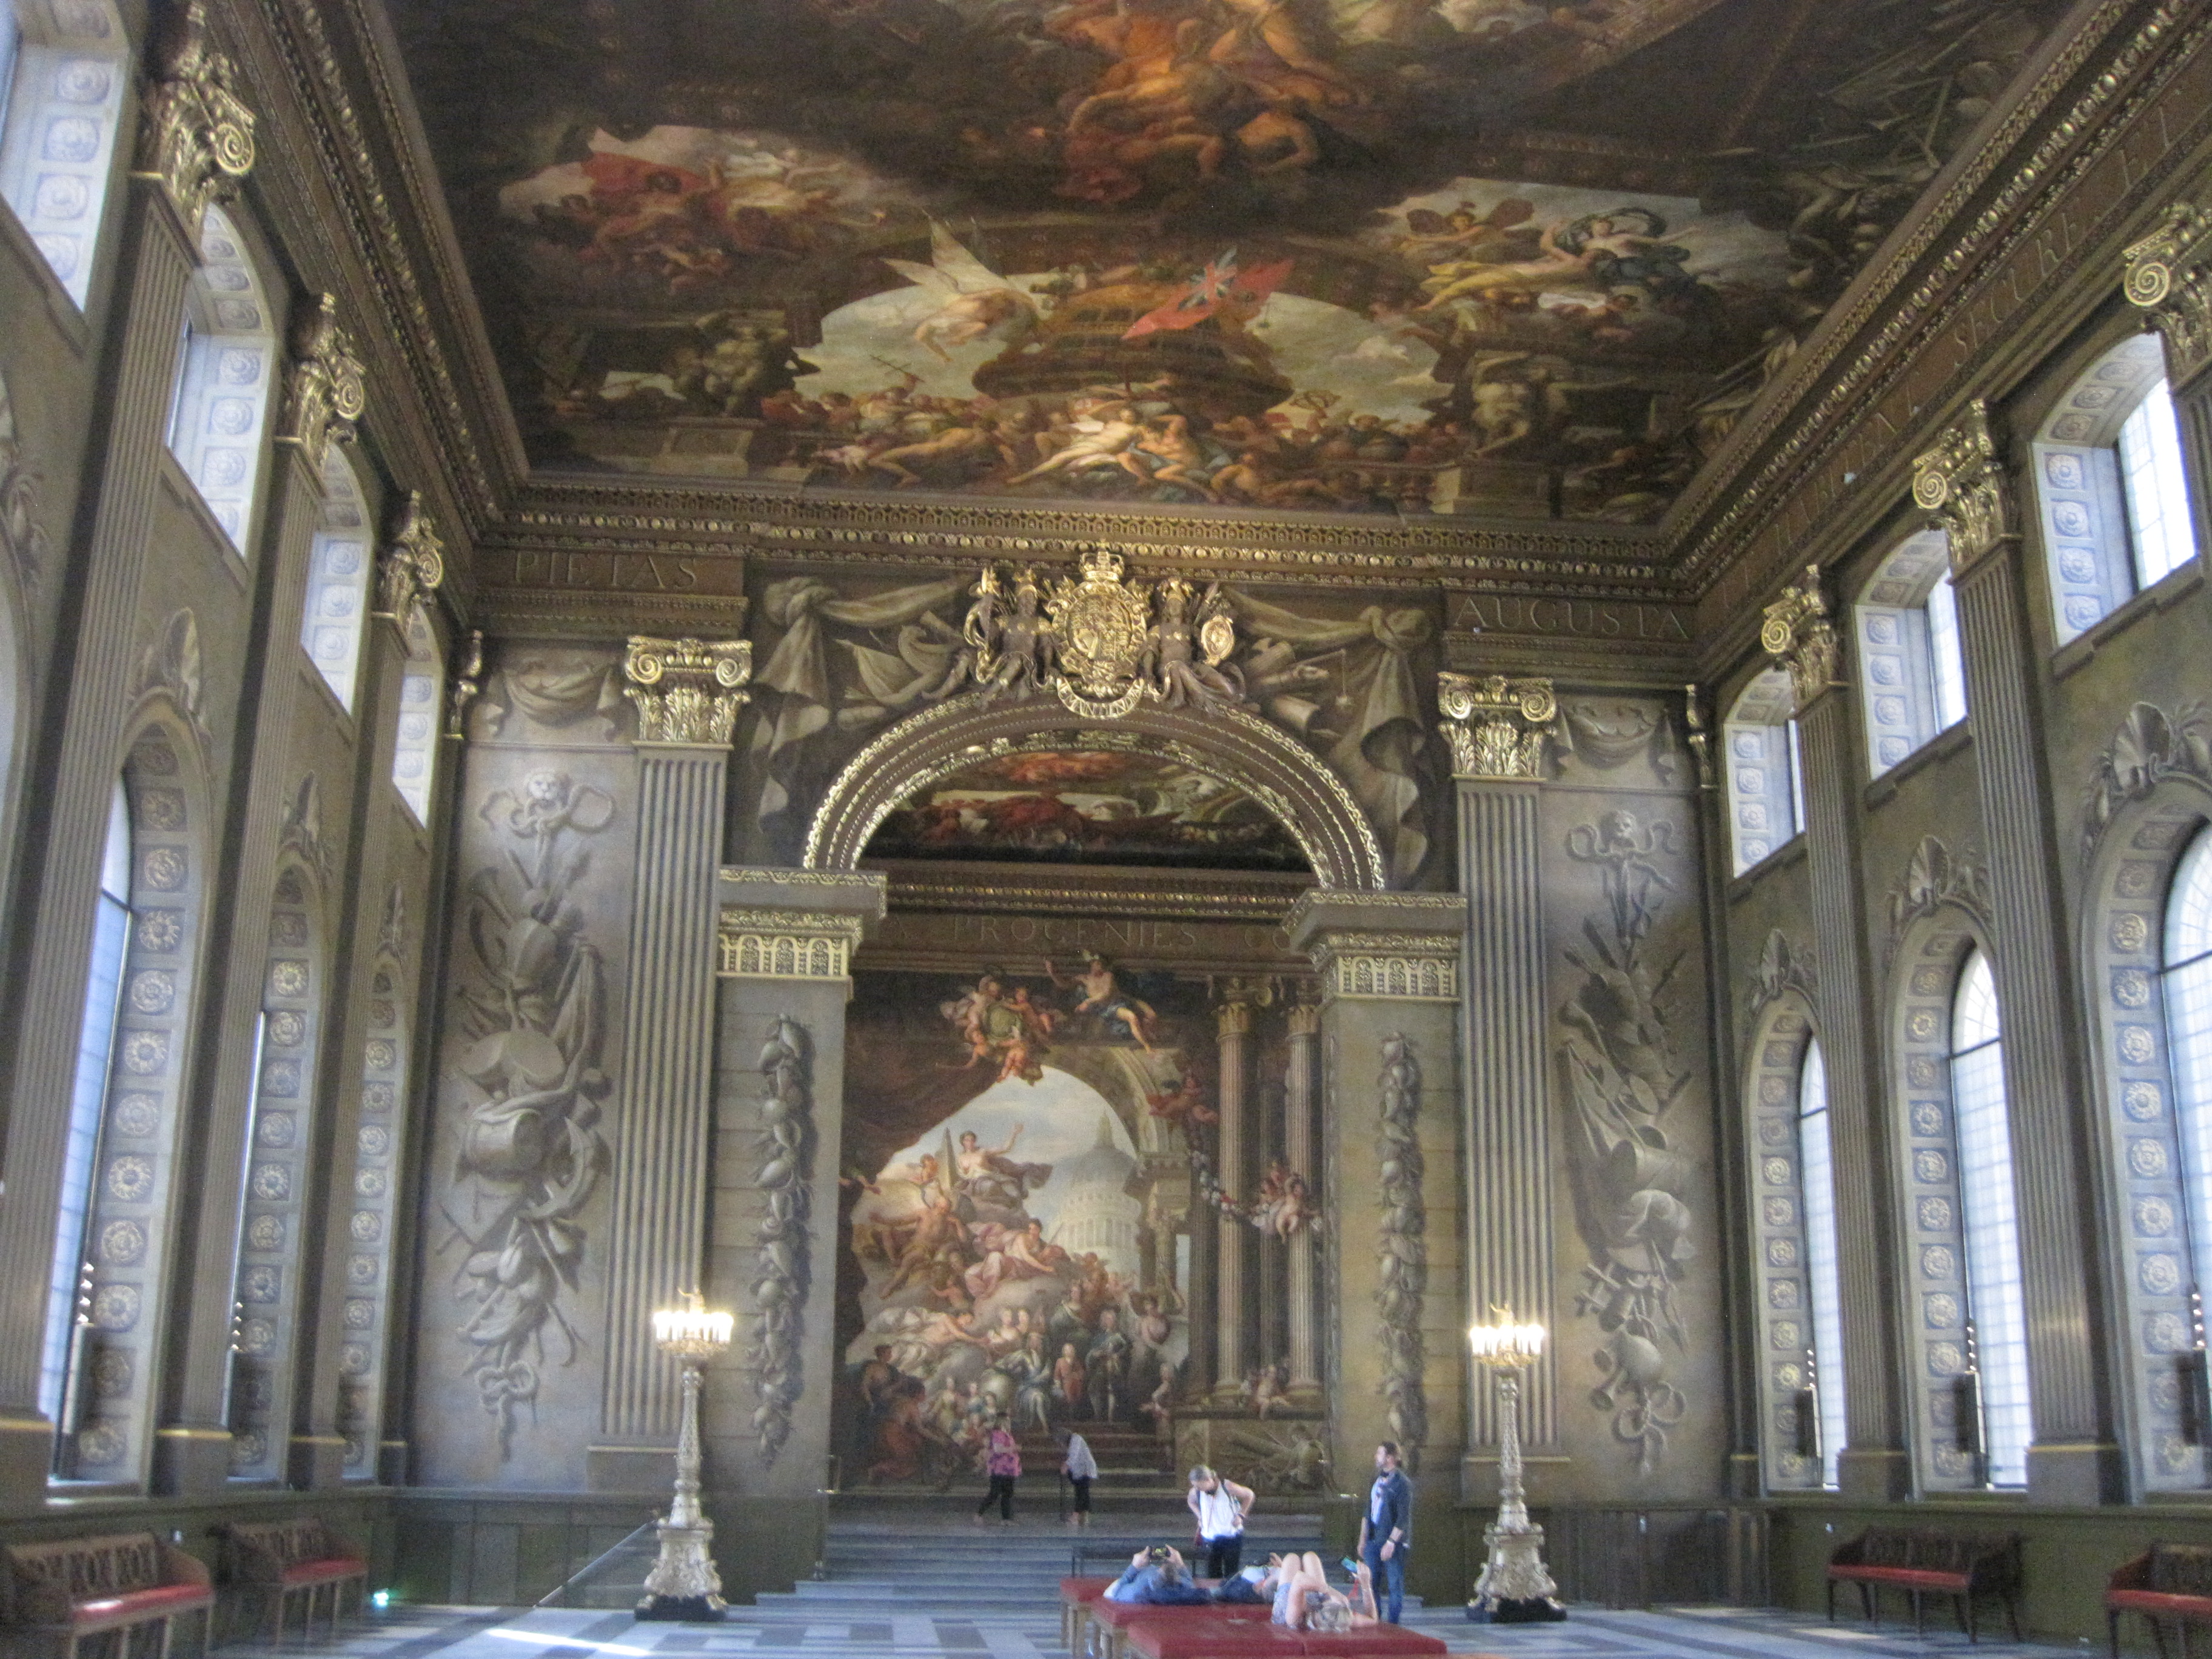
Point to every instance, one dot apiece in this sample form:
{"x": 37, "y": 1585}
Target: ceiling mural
{"x": 1432, "y": 257}
{"x": 1087, "y": 805}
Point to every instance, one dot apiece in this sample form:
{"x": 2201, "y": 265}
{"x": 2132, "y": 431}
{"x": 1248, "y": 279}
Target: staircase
{"x": 1128, "y": 1458}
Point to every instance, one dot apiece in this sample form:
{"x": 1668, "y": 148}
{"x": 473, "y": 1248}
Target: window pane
{"x": 1816, "y": 1163}
{"x": 1796, "y": 777}
{"x": 1993, "y": 1229}
{"x": 2159, "y": 532}
{"x": 1946, "y": 665}
{"x": 2189, "y": 1032}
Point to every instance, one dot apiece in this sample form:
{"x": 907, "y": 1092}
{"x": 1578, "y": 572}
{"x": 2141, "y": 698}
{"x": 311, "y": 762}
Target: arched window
{"x": 64, "y": 74}
{"x": 1996, "y": 1310}
{"x": 2187, "y": 975}
{"x": 2111, "y": 488}
{"x": 1817, "y": 1176}
{"x": 226, "y": 366}
{"x": 1765, "y": 769}
{"x": 337, "y": 579}
{"x": 61, "y": 1380}
{"x": 364, "y": 1358}
{"x": 1912, "y": 676}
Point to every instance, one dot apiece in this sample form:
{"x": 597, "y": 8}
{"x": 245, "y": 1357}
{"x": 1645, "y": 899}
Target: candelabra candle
{"x": 1515, "y": 1587}
{"x": 683, "y": 1583}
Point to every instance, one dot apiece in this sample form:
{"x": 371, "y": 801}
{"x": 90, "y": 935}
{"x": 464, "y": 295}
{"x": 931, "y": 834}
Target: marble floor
{"x": 819, "y": 1633}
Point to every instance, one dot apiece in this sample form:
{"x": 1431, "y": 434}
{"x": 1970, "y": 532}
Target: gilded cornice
{"x": 2010, "y": 216}
{"x": 196, "y": 137}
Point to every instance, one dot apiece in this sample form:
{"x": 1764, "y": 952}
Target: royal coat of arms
{"x": 1102, "y": 625}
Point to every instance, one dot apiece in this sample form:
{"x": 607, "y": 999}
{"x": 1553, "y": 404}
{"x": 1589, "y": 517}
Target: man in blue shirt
{"x": 1386, "y": 1531}
{"x": 1157, "y": 1578}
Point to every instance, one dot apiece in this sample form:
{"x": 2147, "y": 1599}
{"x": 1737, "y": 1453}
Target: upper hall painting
{"x": 1410, "y": 257}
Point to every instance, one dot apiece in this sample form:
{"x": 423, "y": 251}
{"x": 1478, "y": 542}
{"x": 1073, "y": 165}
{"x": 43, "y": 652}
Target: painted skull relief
{"x": 1432, "y": 257}
{"x": 1018, "y": 1202}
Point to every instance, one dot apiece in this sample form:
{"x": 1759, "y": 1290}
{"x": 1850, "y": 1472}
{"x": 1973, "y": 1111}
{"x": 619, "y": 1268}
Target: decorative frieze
{"x": 687, "y": 691}
{"x": 325, "y": 394}
{"x": 196, "y": 139}
{"x": 1391, "y": 967}
{"x": 413, "y": 565}
{"x": 1960, "y": 484}
{"x": 1797, "y": 634}
{"x": 769, "y": 944}
{"x": 2169, "y": 275}
{"x": 1497, "y": 728}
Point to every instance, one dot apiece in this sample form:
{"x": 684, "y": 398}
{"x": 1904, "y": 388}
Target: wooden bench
{"x": 1076, "y": 1597}
{"x": 279, "y": 1559}
{"x": 1922, "y": 1562}
{"x": 73, "y": 1588}
{"x": 2167, "y": 1582}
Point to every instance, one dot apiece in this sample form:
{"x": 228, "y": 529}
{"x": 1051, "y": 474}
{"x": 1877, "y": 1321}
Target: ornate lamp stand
{"x": 684, "y": 1584}
{"x": 1515, "y": 1587}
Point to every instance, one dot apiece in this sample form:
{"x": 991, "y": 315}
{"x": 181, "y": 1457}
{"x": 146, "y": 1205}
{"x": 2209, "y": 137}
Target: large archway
{"x": 1309, "y": 799}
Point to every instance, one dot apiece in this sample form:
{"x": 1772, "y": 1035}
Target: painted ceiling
{"x": 1071, "y": 806}
{"x": 1438, "y": 257}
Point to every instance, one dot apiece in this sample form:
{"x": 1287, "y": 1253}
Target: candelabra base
{"x": 1515, "y": 1588}
{"x": 683, "y": 1610}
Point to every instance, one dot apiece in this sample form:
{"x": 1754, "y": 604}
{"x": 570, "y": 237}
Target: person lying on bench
{"x": 1304, "y": 1600}
{"x": 1158, "y": 1578}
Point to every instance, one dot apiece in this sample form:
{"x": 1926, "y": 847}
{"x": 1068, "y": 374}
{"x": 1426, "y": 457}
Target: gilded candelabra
{"x": 1516, "y": 1587}
{"x": 683, "y": 1583}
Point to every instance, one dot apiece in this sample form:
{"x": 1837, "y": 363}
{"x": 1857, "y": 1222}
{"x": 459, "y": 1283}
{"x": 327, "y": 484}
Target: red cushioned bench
{"x": 1921, "y": 1564}
{"x": 73, "y": 1588}
{"x": 2167, "y": 1582}
{"x": 1206, "y": 1636}
{"x": 1076, "y": 1597}
{"x": 1110, "y": 1621}
{"x": 279, "y": 1559}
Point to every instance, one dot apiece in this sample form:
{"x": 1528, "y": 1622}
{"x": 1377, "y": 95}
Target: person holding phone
{"x": 1386, "y": 1531}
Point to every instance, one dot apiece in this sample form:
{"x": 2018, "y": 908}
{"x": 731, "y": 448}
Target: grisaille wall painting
{"x": 1018, "y": 1189}
{"x": 1429, "y": 257}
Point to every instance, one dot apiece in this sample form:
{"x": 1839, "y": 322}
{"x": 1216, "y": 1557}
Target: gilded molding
{"x": 1497, "y": 728}
{"x": 325, "y": 395}
{"x": 753, "y": 943}
{"x": 687, "y": 691}
{"x": 413, "y": 565}
{"x": 196, "y": 139}
{"x": 1388, "y": 966}
{"x": 1960, "y": 484}
{"x": 2169, "y": 275}
{"x": 1796, "y": 633}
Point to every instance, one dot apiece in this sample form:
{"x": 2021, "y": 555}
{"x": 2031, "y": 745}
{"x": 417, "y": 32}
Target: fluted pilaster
{"x": 1299, "y": 1080}
{"x": 1233, "y": 1024}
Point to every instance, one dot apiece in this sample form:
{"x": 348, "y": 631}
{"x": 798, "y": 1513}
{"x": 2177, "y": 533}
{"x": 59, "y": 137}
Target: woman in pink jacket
{"x": 1002, "y": 1462}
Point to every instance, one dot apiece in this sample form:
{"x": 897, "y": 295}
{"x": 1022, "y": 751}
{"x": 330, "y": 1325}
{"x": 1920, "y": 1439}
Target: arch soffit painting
{"x": 1302, "y": 793}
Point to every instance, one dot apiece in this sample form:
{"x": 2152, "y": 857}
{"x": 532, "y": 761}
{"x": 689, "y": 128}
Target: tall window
{"x": 338, "y": 580}
{"x": 1913, "y": 675}
{"x": 2111, "y": 486}
{"x": 1766, "y": 802}
{"x": 226, "y": 370}
{"x": 2188, "y": 977}
{"x": 1817, "y": 1175}
{"x": 63, "y": 75}
{"x": 1995, "y": 1307}
{"x": 60, "y": 1361}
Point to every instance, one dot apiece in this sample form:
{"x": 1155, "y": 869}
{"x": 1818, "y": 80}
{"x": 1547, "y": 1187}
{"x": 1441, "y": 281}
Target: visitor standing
{"x": 1220, "y": 1505}
{"x": 1081, "y": 1468}
{"x": 1002, "y": 1462}
{"x": 1386, "y": 1531}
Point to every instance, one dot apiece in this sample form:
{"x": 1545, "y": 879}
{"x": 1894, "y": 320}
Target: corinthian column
{"x": 1233, "y": 1021}
{"x": 2074, "y": 1456}
{"x": 1304, "y": 1022}
{"x": 1499, "y": 730}
{"x": 687, "y": 693}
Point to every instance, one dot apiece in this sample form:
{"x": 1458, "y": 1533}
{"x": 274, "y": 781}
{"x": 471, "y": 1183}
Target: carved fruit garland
{"x": 786, "y": 1117}
{"x": 1404, "y": 1248}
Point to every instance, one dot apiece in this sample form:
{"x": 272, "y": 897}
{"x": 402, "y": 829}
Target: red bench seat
{"x": 2166, "y": 1583}
{"x": 1207, "y": 1638}
{"x": 74, "y": 1587}
{"x": 1923, "y": 1563}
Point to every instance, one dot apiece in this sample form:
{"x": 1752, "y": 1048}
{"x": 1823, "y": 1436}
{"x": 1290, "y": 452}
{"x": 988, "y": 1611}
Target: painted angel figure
{"x": 972, "y": 300}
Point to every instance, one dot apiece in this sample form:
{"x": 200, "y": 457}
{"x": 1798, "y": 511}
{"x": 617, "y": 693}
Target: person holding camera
{"x": 1220, "y": 1505}
{"x": 1157, "y": 1578}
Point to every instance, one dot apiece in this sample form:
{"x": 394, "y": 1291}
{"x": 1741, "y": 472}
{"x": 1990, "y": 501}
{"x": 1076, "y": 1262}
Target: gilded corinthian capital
{"x": 325, "y": 394}
{"x": 413, "y": 565}
{"x": 1960, "y": 484}
{"x": 196, "y": 139}
{"x": 2170, "y": 277}
{"x": 1496, "y": 727}
{"x": 687, "y": 690}
{"x": 1797, "y": 634}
